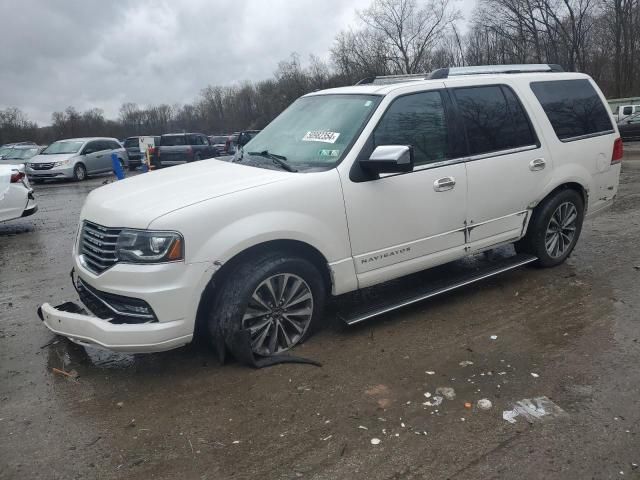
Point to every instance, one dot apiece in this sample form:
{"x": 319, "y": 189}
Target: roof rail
{"x": 489, "y": 69}
{"x": 390, "y": 79}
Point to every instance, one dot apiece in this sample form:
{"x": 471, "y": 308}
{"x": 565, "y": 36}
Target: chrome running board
{"x": 360, "y": 313}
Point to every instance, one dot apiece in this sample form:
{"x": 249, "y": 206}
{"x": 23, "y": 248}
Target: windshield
{"x": 21, "y": 153}
{"x": 315, "y": 131}
{"x": 132, "y": 142}
{"x": 63, "y": 146}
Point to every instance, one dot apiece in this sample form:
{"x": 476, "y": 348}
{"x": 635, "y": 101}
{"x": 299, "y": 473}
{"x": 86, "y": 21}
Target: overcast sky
{"x": 101, "y": 53}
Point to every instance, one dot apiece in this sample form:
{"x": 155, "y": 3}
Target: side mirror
{"x": 389, "y": 159}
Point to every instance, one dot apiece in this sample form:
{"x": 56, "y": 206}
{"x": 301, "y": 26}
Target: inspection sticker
{"x": 321, "y": 136}
{"x": 329, "y": 153}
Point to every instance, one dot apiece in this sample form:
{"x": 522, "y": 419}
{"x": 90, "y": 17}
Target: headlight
{"x": 62, "y": 163}
{"x": 142, "y": 246}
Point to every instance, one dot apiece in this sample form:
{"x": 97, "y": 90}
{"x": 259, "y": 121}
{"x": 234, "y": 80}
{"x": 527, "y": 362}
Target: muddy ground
{"x": 181, "y": 415}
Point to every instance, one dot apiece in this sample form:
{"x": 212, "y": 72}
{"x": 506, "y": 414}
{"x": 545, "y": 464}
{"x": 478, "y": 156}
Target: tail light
{"x": 17, "y": 176}
{"x": 618, "y": 151}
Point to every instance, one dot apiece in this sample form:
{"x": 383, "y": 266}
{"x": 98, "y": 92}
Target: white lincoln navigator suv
{"x": 347, "y": 188}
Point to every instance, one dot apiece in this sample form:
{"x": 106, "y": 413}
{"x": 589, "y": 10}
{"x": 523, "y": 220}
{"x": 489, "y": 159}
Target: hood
{"x": 137, "y": 201}
{"x": 58, "y": 157}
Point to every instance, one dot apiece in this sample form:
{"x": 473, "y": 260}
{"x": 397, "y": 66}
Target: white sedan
{"x": 16, "y": 195}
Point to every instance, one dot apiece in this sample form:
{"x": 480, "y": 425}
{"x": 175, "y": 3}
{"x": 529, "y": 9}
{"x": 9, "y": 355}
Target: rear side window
{"x": 131, "y": 142}
{"x": 493, "y": 118}
{"x": 573, "y": 108}
{"x": 627, "y": 110}
{"x": 417, "y": 120}
{"x": 172, "y": 140}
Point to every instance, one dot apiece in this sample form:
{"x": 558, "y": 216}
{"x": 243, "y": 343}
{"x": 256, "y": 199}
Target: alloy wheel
{"x": 278, "y": 314}
{"x": 561, "y": 230}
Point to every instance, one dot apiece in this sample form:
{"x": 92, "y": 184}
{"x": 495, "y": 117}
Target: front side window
{"x": 314, "y": 132}
{"x": 173, "y": 140}
{"x": 417, "y": 120}
{"x": 493, "y": 119}
{"x": 573, "y": 108}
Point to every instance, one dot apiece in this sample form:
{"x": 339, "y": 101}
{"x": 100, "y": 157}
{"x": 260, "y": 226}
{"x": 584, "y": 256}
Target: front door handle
{"x": 444, "y": 184}
{"x": 537, "y": 164}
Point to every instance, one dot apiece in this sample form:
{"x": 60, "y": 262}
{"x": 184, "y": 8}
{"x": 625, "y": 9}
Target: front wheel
{"x": 276, "y": 297}
{"x": 79, "y": 172}
{"x": 554, "y": 228}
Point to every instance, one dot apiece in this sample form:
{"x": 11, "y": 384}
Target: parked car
{"x": 630, "y": 127}
{"x": 239, "y": 139}
{"x": 19, "y": 155}
{"x": 625, "y": 111}
{"x": 176, "y": 148}
{"x": 76, "y": 158}
{"x": 16, "y": 195}
{"x": 219, "y": 142}
{"x": 347, "y": 188}
{"x": 132, "y": 145}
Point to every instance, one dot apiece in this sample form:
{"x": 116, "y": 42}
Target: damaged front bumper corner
{"x": 73, "y": 322}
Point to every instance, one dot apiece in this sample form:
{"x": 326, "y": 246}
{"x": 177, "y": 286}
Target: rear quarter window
{"x": 573, "y": 108}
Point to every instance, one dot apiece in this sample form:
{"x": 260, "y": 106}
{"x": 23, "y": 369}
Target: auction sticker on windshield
{"x": 321, "y": 136}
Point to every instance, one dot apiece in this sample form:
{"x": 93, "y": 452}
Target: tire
{"x": 196, "y": 157}
{"x": 79, "y": 172}
{"x": 234, "y": 307}
{"x": 554, "y": 228}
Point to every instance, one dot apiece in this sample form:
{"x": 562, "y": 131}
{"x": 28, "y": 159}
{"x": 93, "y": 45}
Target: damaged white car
{"x": 347, "y": 188}
{"x": 16, "y": 195}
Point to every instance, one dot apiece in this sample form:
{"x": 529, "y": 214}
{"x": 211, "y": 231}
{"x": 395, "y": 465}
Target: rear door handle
{"x": 444, "y": 184}
{"x": 537, "y": 164}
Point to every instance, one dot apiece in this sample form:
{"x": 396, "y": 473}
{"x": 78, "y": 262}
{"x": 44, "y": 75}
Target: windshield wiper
{"x": 279, "y": 160}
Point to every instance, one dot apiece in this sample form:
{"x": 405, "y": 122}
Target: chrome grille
{"x": 41, "y": 166}
{"x": 98, "y": 246}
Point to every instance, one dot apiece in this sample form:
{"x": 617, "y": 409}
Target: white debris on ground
{"x": 447, "y": 392}
{"x": 534, "y": 375}
{"x": 375, "y": 441}
{"x": 484, "y": 404}
{"x": 532, "y": 410}
{"x": 465, "y": 363}
{"x": 430, "y": 372}
{"x": 493, "y": 337}
{"x": 434, "y": 402}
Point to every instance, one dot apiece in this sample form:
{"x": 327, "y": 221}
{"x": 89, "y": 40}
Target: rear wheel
{"x": 554, "y": 228}
{"x": 278, "y": 298}
{"x": 79, "y": 172}
{"x": 197, "y": 157}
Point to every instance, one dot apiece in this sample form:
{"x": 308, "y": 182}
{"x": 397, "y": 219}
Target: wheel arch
{"x": 569, "y": 185}
{"x": 288, "y": 246}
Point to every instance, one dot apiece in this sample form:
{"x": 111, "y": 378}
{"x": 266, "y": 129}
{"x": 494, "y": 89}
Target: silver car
{"x": 76, "y": 158}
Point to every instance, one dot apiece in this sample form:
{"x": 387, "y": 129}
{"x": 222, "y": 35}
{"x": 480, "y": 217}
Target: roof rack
{"x": 390, "y": 79}
{"x": 492, "y": 69}
{"x": 441, "y": 73}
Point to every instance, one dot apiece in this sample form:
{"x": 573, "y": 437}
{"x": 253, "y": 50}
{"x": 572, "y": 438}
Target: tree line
{"x": 598, "y": 37}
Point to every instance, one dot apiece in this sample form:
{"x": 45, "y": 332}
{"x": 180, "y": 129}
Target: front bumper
{"x": 94, "y": 332}
{"x": 56, "y": 172}
{"x": 172, "y": 291}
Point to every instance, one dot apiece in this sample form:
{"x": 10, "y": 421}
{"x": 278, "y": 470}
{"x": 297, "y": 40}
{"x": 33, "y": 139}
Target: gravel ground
{"x": 570, "y": 334}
